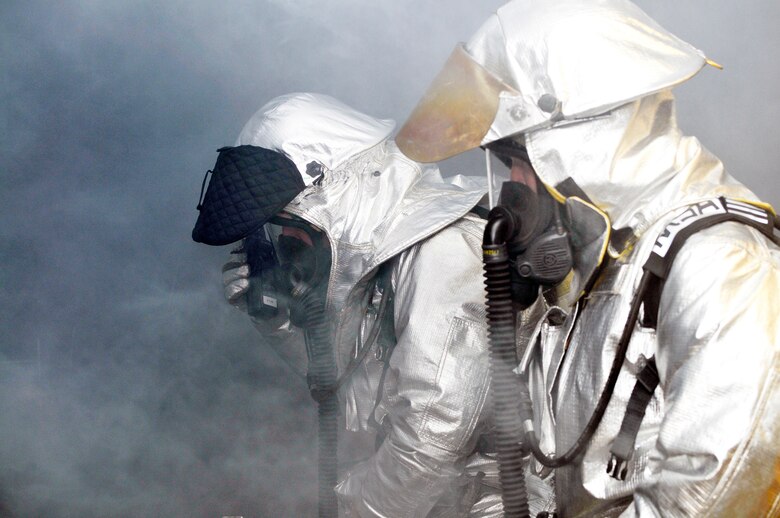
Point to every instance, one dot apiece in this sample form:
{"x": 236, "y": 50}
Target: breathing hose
{"x": 304, "y": 278}
{"x": 323, "y": 374}
{"x": 606, "y": 393}
{"x": 503, "y": 360}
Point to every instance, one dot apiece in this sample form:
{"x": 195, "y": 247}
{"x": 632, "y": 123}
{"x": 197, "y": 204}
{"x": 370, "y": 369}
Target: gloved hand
{"x": 287, "y": 341}
{"x": 235, "y": 278}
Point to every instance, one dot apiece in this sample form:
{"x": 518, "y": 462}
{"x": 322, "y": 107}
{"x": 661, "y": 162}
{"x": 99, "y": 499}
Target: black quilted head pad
{"x": 249, "y": 185}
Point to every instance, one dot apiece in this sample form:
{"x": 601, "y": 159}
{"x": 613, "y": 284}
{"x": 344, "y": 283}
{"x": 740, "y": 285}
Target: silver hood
{"x": 372, "y": 201}
{"x": 309, "y": 127}
{"x": 633, "y": 163}
{"x": 573, "y": 59}
{"x": 536, "y": 64}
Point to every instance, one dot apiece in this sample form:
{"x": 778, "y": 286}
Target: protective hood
{"x": 309, "y": 127}
{"x": 535, "y": 64}
{"x": 377, "y": 204}
{"x": 634, "y": 164}
{"x": 370, "y": 200}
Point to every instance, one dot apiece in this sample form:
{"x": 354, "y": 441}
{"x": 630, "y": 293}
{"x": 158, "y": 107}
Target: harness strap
{"x": 699, "y": 216}
{"x": 623, "y": 446}
{"x": 691, "y": 219}
{"x": 385, "y": 345}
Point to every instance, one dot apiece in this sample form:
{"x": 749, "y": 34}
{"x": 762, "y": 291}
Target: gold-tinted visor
{"x": 455, "y": 113}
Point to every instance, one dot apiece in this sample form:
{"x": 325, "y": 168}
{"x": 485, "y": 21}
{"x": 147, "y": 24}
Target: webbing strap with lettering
{"x": 689, "y": 220}
{"x": 698, "y": 216}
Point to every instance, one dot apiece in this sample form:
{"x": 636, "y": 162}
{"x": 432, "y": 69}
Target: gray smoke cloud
{"x": 127, "y": 386}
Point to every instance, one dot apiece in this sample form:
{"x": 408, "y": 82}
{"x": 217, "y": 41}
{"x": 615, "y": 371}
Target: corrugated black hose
{"x": 323, "y": 374}
{"x": 503, "y": 360}
{"x": 606, "y": 394}
{"x": 304, "y": 277}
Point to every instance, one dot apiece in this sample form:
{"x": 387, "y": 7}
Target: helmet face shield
{"x": 536, "y": 64}
{"x": 455, "y": 113}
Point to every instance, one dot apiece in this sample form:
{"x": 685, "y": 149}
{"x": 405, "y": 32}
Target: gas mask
{"x": 538, "y": 243}
{"x": 285, "y": 271}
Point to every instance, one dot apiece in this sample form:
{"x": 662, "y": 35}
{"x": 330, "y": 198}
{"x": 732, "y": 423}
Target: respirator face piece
{"x": 539, "y": 248}
{"x": 288, "y": 262}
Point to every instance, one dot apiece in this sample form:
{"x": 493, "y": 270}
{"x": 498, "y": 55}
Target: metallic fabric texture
{"x": 706, "y": 446}
{"x": 378, "y": 207}
{"x": 595, "y": 110}
{"x": 309, "y": 127}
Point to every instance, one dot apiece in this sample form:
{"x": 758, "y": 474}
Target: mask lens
{"x": 298, "y": 260}
{"x": 273, "y": 232}
{"x": 509, "y": 162}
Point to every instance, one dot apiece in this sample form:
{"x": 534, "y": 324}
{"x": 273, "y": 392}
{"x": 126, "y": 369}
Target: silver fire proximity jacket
{"x": 707, "y": 444}
{"x": 585, "y": 85}
{"x": 378, "y": 207}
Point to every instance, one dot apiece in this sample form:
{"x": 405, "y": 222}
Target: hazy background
{"x": 127, "y": 386}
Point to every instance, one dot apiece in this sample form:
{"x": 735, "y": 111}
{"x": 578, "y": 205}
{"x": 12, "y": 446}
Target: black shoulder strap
{"x": 385, "y": 345}
{"x": 691, "y": 219}
{"x": 623, "y": 445}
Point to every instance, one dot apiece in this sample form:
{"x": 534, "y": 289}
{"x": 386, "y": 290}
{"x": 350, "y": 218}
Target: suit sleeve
{"x": 718, "y": 341}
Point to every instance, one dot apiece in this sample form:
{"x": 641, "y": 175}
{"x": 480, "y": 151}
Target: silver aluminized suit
{"x": 376, "y": 207}
{"x": 707, "y": 445}
{"x": 586, "y": 87}
{"x": 436, "y": 384}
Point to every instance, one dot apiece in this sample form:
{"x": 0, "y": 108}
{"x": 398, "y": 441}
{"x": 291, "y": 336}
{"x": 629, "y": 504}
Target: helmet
{"x": 282, "y": 149}
{"x": 537, "y": 64}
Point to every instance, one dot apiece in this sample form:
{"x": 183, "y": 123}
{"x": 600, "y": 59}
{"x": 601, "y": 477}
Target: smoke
{"x": 127, "y": 386}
